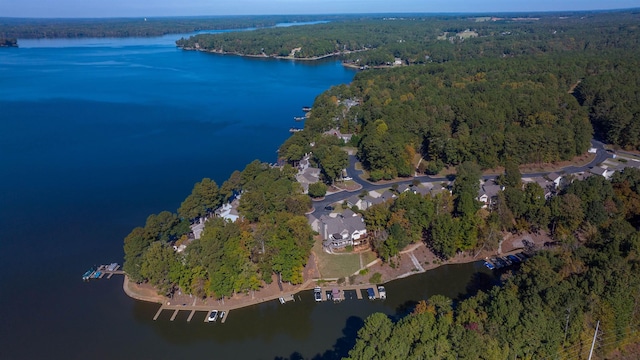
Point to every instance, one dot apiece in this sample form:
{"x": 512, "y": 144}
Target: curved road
{"x": 319, "y": 206}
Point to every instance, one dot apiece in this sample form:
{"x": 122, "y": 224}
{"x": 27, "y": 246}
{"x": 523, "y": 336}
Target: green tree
{"x": 317, "y": 190}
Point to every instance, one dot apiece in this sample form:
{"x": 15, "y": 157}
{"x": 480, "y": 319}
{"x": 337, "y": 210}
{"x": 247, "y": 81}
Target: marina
{"x": 320, "y": 294}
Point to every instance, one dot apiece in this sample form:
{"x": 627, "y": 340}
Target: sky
{"x": 150, "y": 8}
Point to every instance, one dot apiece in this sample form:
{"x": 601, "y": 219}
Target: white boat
{"x": 213, "y": 316}
{"x": 382, "y": 292}
{"x": 317, "y": 293}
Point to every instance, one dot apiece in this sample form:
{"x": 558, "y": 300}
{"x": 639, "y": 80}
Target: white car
{"x": 213, "y": 316}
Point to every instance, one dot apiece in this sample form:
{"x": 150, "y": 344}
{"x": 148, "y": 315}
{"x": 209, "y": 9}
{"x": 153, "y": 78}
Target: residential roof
{"x": 402, "y": 188}
{"x": 490, "y": 188}
{"x": 554, "y": 176}
{"x": 348, "y": 213}
{"x": 354, "y": 199}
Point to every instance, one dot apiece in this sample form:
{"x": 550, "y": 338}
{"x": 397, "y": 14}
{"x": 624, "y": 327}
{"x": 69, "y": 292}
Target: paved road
{"x": 319, "y": 206}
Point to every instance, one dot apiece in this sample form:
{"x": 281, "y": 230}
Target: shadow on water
{"x": 342, "y": 345}
{"x": 265, "y": 319}
{"x": 479, "y": 281}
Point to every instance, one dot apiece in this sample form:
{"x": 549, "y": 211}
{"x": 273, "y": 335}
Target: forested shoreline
{"x": 32, "y": 28}
{"x": 526, "y": 91}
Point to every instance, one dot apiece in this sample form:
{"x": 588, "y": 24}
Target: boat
{"x": 489, "y": 265}
{"x": 382, "y": 292}
{"x": 213, "y": 316}
{"x": 514, "y": 259}
{"x": 222, "y": 314}
{"x": 371, "y": 294}
{"x": 335, "y": 294}
{"x": 317, "y": 293}
{"x": 299, "y": 118}
{"x": 87, "y": 274}
{"x": 97, "y": 274}
{"x": 282, "y": 301}
{"x": 306, "y": 108}
{"x": 295, "y": 130}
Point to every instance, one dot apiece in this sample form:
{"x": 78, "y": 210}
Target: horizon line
{"x": 449, "y": 13}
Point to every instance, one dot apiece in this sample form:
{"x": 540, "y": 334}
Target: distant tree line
{"x": 138, "y": 27}
{"x": 497, "y": 98}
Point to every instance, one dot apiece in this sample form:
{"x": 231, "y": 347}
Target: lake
{"x": 95, "y": 135}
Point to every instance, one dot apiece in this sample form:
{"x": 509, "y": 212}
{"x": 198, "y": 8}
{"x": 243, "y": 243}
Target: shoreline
{"x": 265, "y": 56}
{"x": 271, "y": 292}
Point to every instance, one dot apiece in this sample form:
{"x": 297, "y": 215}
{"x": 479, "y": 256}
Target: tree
{"x": 204, "y": 198}
{"x": 317, "y": 190}
{"x": 512, "y": 176}
{"x": 157, "y": 263}
{"x": 332, "y": 161}
{"x": 465, "y": 188}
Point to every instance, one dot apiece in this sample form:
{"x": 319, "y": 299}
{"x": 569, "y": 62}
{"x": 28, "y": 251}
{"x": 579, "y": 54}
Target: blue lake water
{"x": 95, "y": 135}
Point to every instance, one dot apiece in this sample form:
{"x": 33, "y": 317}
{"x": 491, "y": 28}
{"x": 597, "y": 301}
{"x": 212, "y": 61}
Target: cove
{"x": 97, "y": 134}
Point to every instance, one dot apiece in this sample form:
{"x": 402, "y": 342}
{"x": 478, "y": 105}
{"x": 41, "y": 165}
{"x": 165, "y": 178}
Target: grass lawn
{"x": 368, "y": 257}
{"x": 336, "y": 266}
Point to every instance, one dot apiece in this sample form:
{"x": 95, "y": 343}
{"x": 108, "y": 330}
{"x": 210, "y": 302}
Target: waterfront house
{"x": 340, "y": 231}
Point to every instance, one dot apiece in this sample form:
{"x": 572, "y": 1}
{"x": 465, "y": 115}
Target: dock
{"x": 103, "y": 271}
{"x": 336, "y": 293}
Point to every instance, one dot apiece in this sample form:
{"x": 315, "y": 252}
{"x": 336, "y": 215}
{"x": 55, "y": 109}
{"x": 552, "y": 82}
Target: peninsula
{"x": 476, "y": 145}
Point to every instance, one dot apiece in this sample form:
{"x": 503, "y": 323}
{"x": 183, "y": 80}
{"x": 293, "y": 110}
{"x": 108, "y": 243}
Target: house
{"x": 314, "y": 222}
{"x": 370, "y": 200}
{"x": 547, "y": 186}
{"x": 397, "y": 61}
{"x": 437, "y": 190}
{"x": 606, "y": 173}
{"x": 421, "y": 190}
{"x": 402, "y": 188}
{"x": 348, "y": 213}
{"x": 306, "y": 174}
{"x": 340, "y": 231}
{"x": 197, "y": 228}
{"x": 229, "y": 211}
{"x": 488, "y": 193}
{"x": 555, "y": 178}
{"x": 356, "y": 201}
{"x": 388, "y": 195}
{"x": 336, "y": 132}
